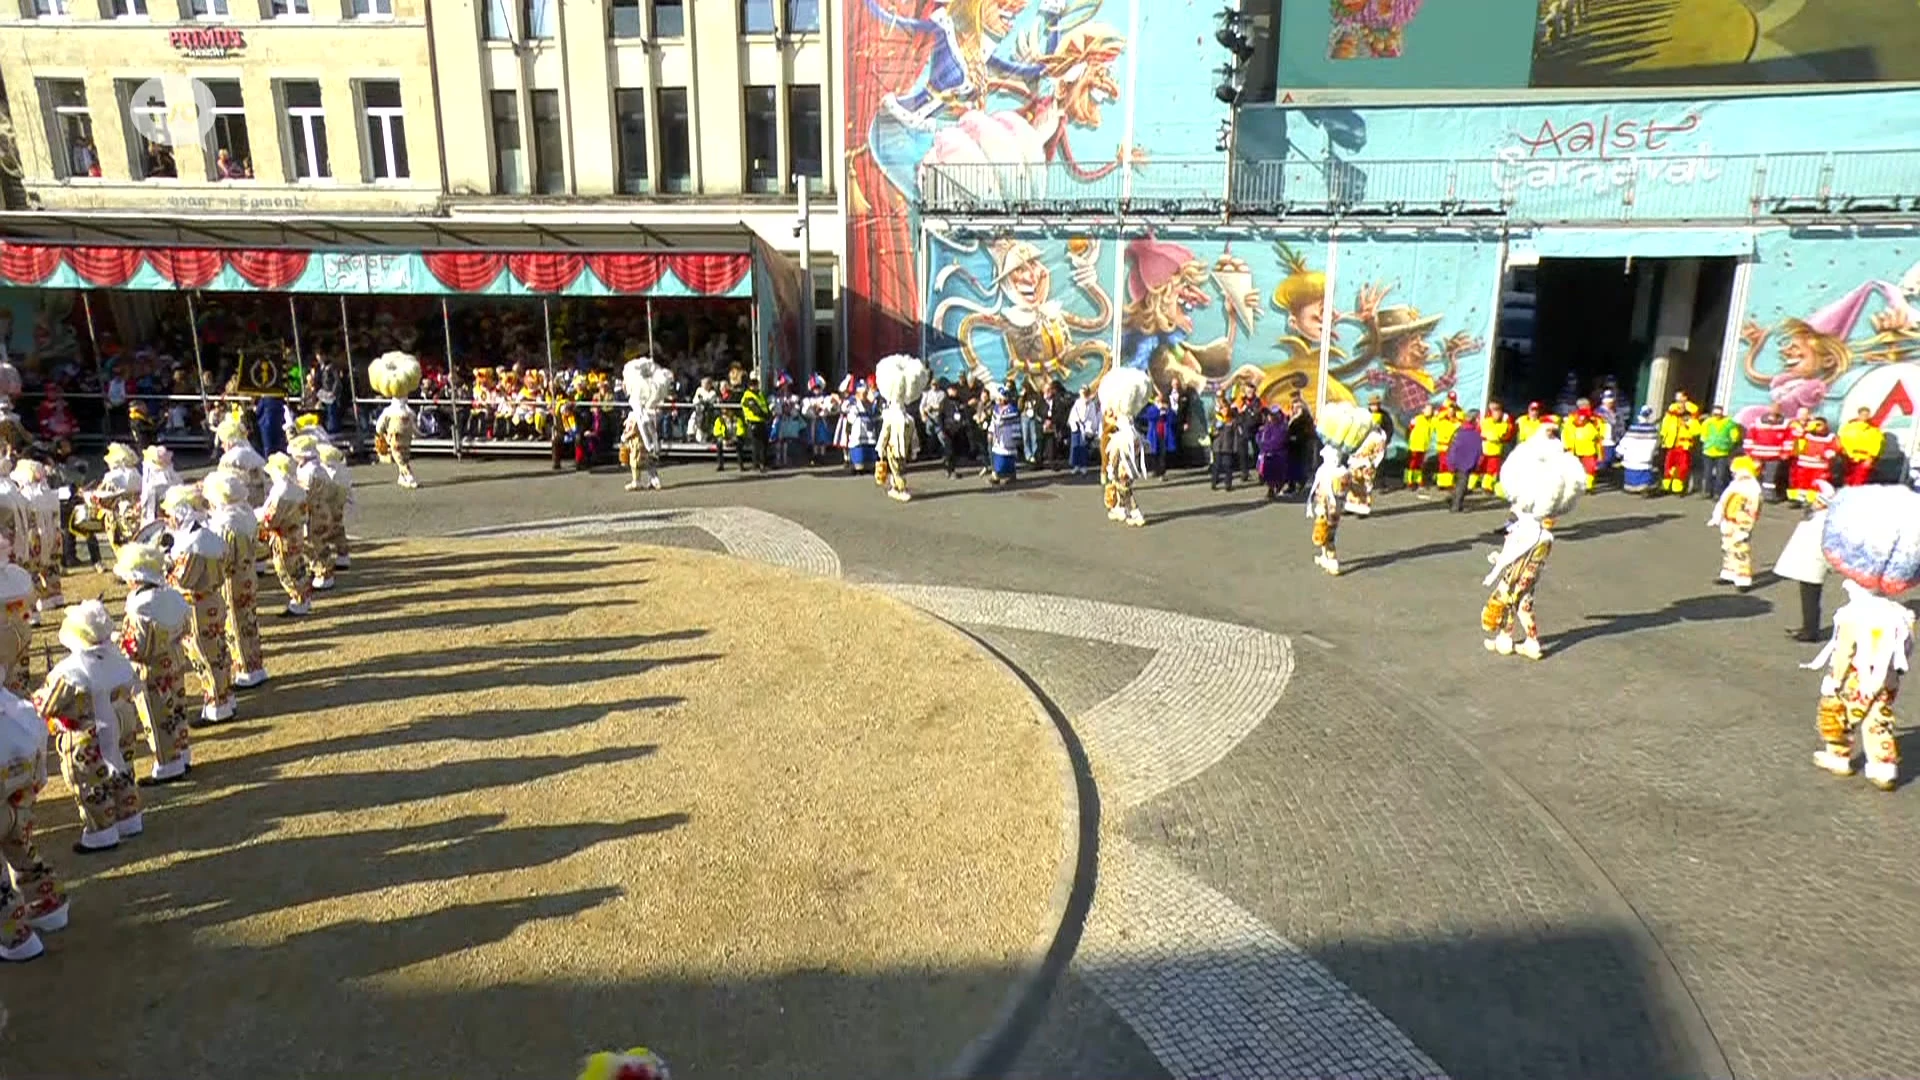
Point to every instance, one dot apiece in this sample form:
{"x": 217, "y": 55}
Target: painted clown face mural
{"x": 1817, "y": 351}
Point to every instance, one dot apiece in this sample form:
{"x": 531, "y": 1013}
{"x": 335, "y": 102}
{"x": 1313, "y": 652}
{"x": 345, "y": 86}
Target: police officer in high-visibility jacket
{"x": 1860, "y": 444}
{"x": 1446, "y": 424}
{"x": 1420, "y": 440}
{"x": 1496, "y": 435}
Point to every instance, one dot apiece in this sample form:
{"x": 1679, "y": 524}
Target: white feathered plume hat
{"x": 1125, "y": 392}
{"x": 231, "y": 431}
{"x": 122, "y": 456}
{"x": 1542, "y": 478}
{"x": 394, "y": 374}
{"x": 646, "y": 383}
{"x": 901, "y": 378}
{"x": 87, "y": 626}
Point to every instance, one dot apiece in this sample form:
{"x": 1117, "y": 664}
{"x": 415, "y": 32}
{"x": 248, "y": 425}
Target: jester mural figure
{"x": 647, "y": 385}
{"x": 901, "y": 381}
{"x": 1036, "y": 331}
{"x": 1301, "y": 297}
{"x": 1817, "y": 351}
{"x": 395, "y": 375}
{"x": 1543, "y": 481}
{"x": 1124, "y": 393}
{"x": 1166, "y": 283}
{"x": 1396, "y": 358}
{"x": 1872, "y": 537}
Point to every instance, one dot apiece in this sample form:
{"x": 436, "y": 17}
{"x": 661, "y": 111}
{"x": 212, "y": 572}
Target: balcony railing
{"x": 1542, "y": 190}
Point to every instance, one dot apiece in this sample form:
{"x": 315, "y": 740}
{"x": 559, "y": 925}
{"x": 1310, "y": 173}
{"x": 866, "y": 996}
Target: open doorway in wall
{"x": 1568, "y": 325}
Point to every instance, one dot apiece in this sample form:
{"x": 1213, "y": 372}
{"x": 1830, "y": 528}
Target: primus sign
{"x": 208, "y": 42}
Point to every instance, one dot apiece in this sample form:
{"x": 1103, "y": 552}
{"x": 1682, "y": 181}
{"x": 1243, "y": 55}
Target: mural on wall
{"x": 1823, "y": 316}
{"x": 1603, "y": 43}
{"x": 40, "y": 327}
{"x": 1370, "y": 29}
{"x": 1200, "y": 314}
{"x": 1017, "y": 95}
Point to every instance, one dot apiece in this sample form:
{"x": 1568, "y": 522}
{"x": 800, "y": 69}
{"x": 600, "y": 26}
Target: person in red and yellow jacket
{"x": 1496, "y": 435}
{"x": 1813, "y": 460}
{"x": 1768, "y": 444}
{"x": 1583, "y": 436}
{"x": 1679, "y": 430}
{"x": 1861, "y": 443}
{"x": 1445, "y": 424}
{"x": 1419, "y": 442}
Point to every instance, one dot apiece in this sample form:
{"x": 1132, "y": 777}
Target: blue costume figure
{"x": 960, "y": 75}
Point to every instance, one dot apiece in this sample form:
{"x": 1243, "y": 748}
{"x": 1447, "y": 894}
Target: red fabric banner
{"x": 187, "y": 268}
{"x": 105, "y": 266}
{"x": 545, "y": 271}
{"x": 28, "y": 264}
{"x": 268, "y": 270}
{"x": 709, "y": 274}
{"x": 464, "y": 271}
{"x": 627, "y": 273}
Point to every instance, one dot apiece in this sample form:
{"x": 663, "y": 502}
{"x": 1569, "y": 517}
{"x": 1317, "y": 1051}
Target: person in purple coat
{"x": 1273, "y": 452}
{"x": 1163, "y": 433}
{"x": 1464, "y": 455}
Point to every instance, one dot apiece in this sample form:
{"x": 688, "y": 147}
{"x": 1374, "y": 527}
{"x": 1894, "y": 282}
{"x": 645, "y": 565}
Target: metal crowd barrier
{"x": 456, "y": 420}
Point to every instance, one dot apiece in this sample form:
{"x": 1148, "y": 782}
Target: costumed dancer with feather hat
{"x": 16, "y": 625}
{"x": 1872, "y": 538}
{"x": 234, "y": 520}
{"x": 117, "y": 496}
{"x": 322, "y": 501}
{"x": 1363, "y": 468}
{"x": 238, "y": 456}
{"x": 157, "y": 476}
{"x": 284, "y": 519}
{"x": 1543, "y": 481}
{"x": 45, "y": 544}
{"x": 902, "y": 381}
{"x": 1124, "y": 393}
{"x": 153, "y": 635}
{"x": 395, "y": 375}
{"x": 647, "y": 385}
{"x": 1735, "y": 515}
{"x": 198, "y": 557}
{"x": 333, "y": 462}
{"x": 1343, "y": 428}
{"x": 87, "y": 702}
{"x": 31, "y": 899}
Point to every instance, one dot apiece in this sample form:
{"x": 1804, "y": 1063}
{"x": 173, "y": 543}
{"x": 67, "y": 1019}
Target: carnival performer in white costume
{"x": 1326, "y": 502}
{"x": 13, "y": 433}
{"x": 1363, "y": 469}
{"x": 88, "y": 704}
{"x": 31, "y": 898}
{"x": 340, "y": 493}
{"x": 45, "y": 543}
{"x": 156, "y": 477}
{"x": 153, "y": 635}
{"x": 1123, "y": 393}
{"x": 16, "y": 529}
{"x": 321, "y": 500}
{"x": 284, "y": 519}
{"x": 395, "y": 375}
{"x": 902, "y": 381}
{"x": 238, "y": 456}
{"x": 1872, "y": 538}
{"x": 1543, "y": 481}
{"x": 16, "y": 627}
{"x": 647, "y": 384}
{"x": 198, "y": 569}
{"x": 234, "y": 520}
{"x": 116, "y": 497}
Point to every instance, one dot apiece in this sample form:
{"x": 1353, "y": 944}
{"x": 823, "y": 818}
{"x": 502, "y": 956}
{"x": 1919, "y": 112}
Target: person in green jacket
{"x": 1720, "y": 441}
{"x": 758, "y": 417}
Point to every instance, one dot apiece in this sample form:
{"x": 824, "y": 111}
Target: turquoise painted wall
{"x": 1445, "y": 44}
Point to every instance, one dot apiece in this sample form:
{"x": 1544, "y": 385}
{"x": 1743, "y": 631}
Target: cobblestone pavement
{"x": 1616, "y": 862}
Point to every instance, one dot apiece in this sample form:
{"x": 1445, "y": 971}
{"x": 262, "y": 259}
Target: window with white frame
{"x": 283, "y": 8}
{"x": 306, "y": 131}
{"x": 806, "y": 136}
{"x": 509, "y": 176}
{"x": 625, "y": 15}
{"x": 803, "y": 16}
{"x": 372, "y": 9}
{"x": 549, "y": 150}
{"x": 499, "y": 27}
{"x": 229, "y": 153}
{"x": 129, "y": 9}
{"x": 147, "y": 133}
{"x": 669, "y": 19}
{"x": 386, "y": 130}
{"x": 630, "y": 123}
{"x": 209, "y": 9}
{"x": 756, "y": 16}
{"x": 763, "y": 140}
{"x": 70, "y": 128}
{"x": 43, "y": 9}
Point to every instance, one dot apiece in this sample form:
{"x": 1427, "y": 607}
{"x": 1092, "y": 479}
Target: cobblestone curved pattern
{"x": 1209, "y": 988}
{"x": 742, "y": 530}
